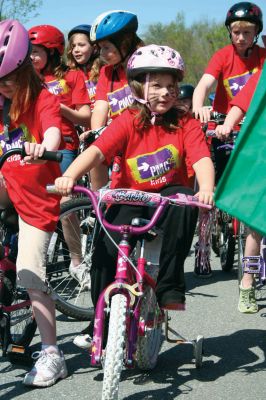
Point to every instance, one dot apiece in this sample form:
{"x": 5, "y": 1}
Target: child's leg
{"x": 99, "y": 177}
{"x": 178, "y": 224}
{"x": 31, "y": 273}
{"x": 252, "y": 248}
{"x": 247, "y": 298}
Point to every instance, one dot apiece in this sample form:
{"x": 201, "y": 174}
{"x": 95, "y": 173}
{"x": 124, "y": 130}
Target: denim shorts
{"x": 68, "y": 157}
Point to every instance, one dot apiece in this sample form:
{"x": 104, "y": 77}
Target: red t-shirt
{"x": 152, "y": 159}
{"x": 26, "y": 184}
{"x": 232, "y": 73}
{"x": 91, "y": 88}
{"x": 72, "y": 91}
{"x": 244, "y": 97}
{"x": 112, "y": 87}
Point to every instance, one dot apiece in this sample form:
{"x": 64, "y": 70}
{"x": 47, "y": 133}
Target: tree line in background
{"x": 196, "y": 43}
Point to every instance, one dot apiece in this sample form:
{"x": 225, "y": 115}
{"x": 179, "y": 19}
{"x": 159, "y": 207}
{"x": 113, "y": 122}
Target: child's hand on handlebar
{"x": 223, "y": 131}
{"x": 64, "y": 185}
{"x": 205, "y": 196}
{"x": 34, "y": 151}
{"x": 203, "y": 113}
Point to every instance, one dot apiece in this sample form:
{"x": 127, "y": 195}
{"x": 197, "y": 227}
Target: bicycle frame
{"x": 125, "y": 282}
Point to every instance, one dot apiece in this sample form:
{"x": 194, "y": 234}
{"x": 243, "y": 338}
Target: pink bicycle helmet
{"x": 47, "y": 36}
{"x": 14, "y": 46}
{"x": 154, "y": 58}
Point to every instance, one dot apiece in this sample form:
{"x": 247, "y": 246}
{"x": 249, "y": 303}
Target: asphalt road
{"x": 234, "y": 353}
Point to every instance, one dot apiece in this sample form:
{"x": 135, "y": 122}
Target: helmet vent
{"x": 1, "y": 58}
{"x": 6, "y": 41}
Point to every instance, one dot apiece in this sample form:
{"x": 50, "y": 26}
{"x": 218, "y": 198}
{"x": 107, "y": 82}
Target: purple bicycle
{"x": 135, "y": 318}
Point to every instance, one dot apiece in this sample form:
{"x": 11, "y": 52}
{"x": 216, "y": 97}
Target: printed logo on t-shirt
{"x": 16, "y": 138}
{"x": 91, "y": 88}
{"x": 234, "y": 84}
{"x": 57, "y": 87}
{"x": 119, "y": 100}
{"x": 155, "y": 167}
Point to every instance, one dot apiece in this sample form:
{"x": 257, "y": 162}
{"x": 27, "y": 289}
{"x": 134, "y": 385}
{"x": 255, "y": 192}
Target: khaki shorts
{"x": 32, "y": 253}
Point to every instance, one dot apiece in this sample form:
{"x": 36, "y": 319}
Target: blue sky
{"x": 65, "y": 14}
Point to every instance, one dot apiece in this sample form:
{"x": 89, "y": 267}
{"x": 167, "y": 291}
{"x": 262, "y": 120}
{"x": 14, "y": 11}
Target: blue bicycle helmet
{"x": 112, "y": 23}
{"x": 80, "y": 29}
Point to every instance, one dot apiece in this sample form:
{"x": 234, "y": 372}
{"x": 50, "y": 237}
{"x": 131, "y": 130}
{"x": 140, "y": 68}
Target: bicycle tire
{"x": 114, "y": 352}
{"x": 227, "y": 247}
{"x": 241, "y": 240}
{"x": 22, "y": 327}
{"x": 71, "y": 300}
{"x": 149, "y": 345}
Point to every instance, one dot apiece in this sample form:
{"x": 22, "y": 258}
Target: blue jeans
{"x": 68, "y": 157}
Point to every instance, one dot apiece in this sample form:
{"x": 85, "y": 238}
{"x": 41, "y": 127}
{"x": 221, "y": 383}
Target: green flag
{"x": 242, "y": 189}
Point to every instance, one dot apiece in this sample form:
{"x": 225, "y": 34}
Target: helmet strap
{"x": 6, "y": 117}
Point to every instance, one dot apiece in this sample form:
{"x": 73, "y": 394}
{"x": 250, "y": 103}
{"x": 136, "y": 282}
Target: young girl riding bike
{"x": 31, "y": 116}
{"x": 230, "y": 68}
{"x": 152, "y": 141}
{"x": 68, "y": 85}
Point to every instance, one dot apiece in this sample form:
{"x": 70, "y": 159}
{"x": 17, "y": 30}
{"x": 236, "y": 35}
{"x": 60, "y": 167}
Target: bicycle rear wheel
{"x": 149, "y": 344}
{"x": 227, "y": 246}
{"x": 19, "y": 326}
{"x": 114, "y": 352}
{"x": 71, "y": 299}
{"x": 241, "y": 240}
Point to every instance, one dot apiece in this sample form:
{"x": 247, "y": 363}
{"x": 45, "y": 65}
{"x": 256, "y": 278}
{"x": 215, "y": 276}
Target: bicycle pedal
{"x": 19, "y": 355}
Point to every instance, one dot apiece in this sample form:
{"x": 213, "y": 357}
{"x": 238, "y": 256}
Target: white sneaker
{"x": 83, "y": 341}
{"x": 48, "y": 368}
{"x": 81, "y": 274}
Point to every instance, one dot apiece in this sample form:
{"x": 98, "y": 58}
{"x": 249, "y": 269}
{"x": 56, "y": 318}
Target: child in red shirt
{"x": 152, "y": 140}
{"x": 34, "y": 119}
{"x": 68, "y": 85}
{"x": 115, "y": 34}
{"x": 240, "y": 103}
{"x": 230, "y": 69}
{"x": 84, "y": 56}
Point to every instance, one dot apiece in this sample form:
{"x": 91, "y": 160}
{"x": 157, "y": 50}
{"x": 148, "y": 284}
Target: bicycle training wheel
{"x": 71, "y": 299}
{"x": 114, "y": 352}
{"x": 149, "y": 344}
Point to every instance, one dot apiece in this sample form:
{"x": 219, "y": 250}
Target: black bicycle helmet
{"x": 245, "y": 11}
{"x": 185, "y": 91}
{"x": 83, "y": 28}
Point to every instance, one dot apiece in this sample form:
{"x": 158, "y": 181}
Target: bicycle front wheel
{"x": 114, "y": 354}
{"x": 149, "y": 343}
{"x": 71, "y": 299}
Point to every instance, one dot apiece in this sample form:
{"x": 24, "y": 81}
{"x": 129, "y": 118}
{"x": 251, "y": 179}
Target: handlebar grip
{"x": 50, "y": 188}
{"x": 52, "y": 156}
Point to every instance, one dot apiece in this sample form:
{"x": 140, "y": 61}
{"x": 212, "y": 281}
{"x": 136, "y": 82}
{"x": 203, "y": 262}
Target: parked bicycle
{"x": 129, "y": 303}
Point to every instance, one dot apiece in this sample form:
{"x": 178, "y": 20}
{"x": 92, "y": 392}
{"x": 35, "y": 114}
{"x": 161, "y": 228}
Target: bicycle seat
{"x": 152, "y": 233}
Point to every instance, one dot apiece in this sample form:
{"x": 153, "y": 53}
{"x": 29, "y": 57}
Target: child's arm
{"x": 199, "y": 95}
{"x": 233, "y": 118}
{"x": 51, "y": 142}
{"x": 90, "y": 158}
{"x": 100, "y": 114}
{"x": 80, "y": 116}
{"x": 204, "y": 170}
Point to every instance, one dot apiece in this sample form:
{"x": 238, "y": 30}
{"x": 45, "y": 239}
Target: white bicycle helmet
{"x": 154, "y": 58}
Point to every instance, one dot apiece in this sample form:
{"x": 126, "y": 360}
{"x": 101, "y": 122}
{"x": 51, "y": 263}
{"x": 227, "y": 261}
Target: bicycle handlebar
{"x": 133, "y": 197}
{"x": 47, "y": 155}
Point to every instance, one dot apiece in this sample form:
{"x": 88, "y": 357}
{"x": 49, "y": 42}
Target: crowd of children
{"x": 111, "y": 78}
